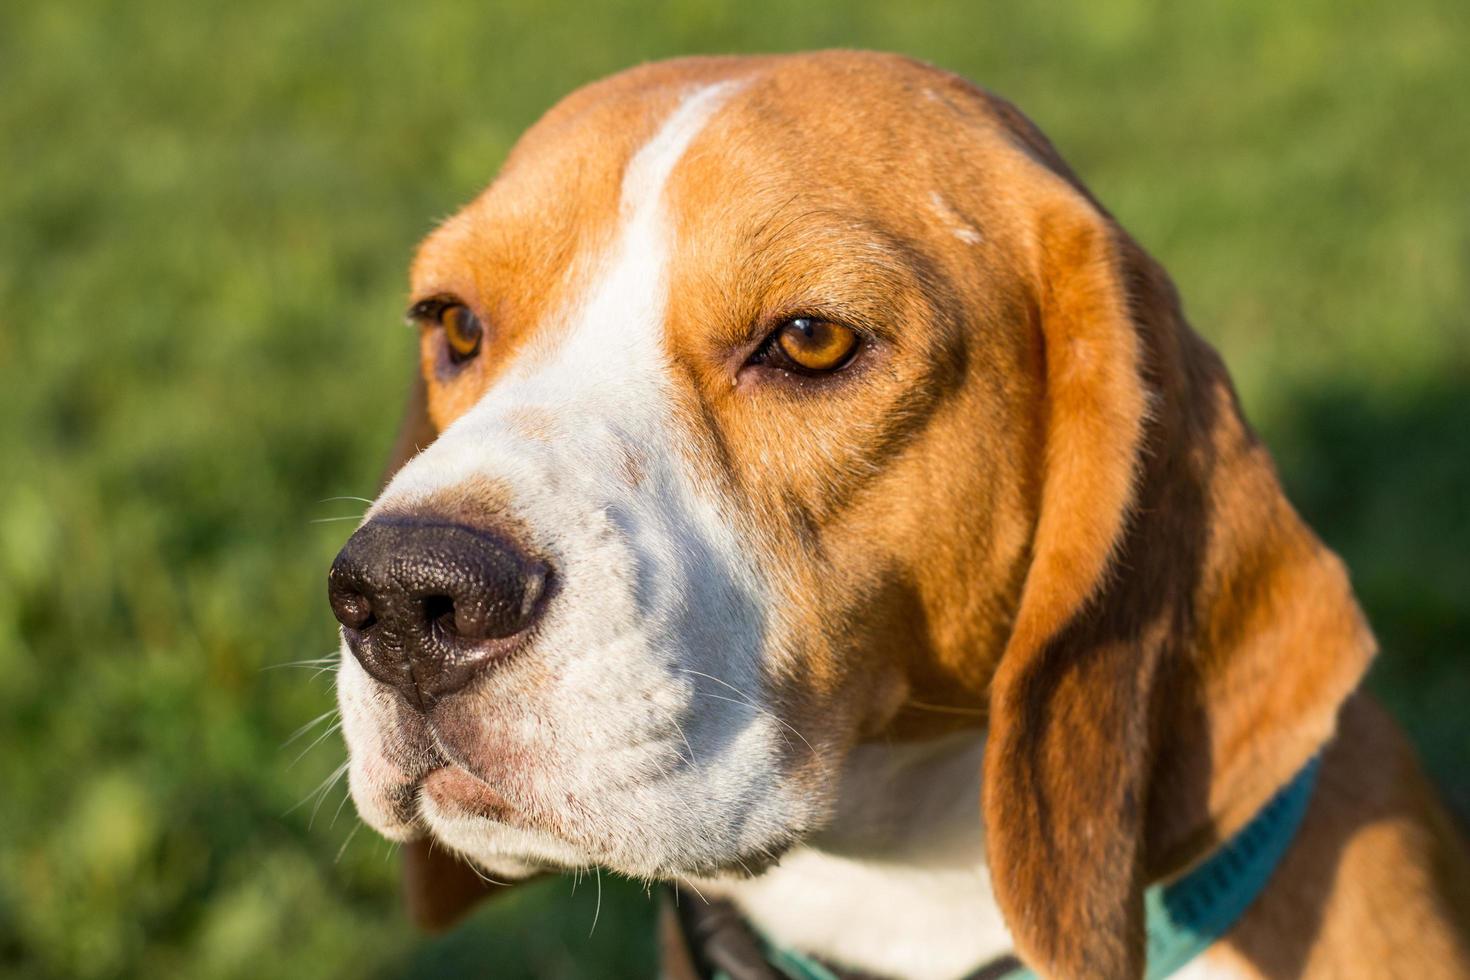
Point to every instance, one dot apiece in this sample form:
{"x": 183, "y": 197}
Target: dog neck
{"x": 897, "y": 884}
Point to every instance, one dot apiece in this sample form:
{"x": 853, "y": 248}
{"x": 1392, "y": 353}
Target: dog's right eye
{"x": 808, "y": 345}
{"x": 816, "y": 346}
{"x": 463, "y": 332}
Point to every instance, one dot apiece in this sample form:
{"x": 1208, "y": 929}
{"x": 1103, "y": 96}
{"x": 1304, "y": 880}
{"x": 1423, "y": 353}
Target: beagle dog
{"x": 812, "y": 497}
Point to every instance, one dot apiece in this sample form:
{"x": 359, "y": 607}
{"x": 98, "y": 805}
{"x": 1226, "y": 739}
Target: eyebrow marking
{"x": 958, "y": 226}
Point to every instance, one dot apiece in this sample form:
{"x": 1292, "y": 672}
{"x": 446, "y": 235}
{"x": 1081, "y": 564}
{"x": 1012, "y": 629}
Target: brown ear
{"x": 415, "y": 430}
{"x": 1182, "y": 642}
{"x": 438, "y": 887}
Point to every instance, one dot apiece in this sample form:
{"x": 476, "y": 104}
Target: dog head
{"x": 769, "y": 403}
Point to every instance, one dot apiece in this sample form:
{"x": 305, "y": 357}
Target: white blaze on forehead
{"x": 643, "y": 686}
{"x": 648, "y": 171}
{"x": 603, "y": 356}
{"x": 615, "y": 330}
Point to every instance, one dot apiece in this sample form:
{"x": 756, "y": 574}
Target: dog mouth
{"x": 459, "y": 792}
{"x": 449, "y": 799}
{"x": 479, "y": 783}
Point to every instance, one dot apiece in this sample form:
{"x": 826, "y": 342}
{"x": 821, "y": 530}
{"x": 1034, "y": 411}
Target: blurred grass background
{"x": 206, "y": 210}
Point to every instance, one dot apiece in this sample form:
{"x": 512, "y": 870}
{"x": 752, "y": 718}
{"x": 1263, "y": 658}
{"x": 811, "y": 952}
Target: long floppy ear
{"x": 415, "y": 430}
{"x": 1182, "y": 641}
{"x": 438, "y": 887}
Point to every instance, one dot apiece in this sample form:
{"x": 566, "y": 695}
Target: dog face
{"x": 742, "y": 545}
{"x": 774, "y": 398}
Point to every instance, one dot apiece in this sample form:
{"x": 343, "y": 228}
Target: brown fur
{"x": 1036, "y": 505}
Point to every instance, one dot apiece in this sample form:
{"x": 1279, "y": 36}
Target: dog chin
{"x": 504, "y": 851}
{"x": 507, "y": 851}
{"x": 738, "y": 868}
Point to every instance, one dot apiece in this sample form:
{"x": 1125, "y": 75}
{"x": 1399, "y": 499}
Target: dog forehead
{"x": 874, "y": 132}
{"x": 561, "y": 189}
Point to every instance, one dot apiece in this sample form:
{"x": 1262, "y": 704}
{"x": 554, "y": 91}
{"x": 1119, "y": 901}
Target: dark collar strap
{"x": 716, "y": 943}
{"x": 713, "y": 939}
{"x": 1184, "y": 917}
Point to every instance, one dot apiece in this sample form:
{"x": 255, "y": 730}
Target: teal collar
{"x": 1183, "y": 917}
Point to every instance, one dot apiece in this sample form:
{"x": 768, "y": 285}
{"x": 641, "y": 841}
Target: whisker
{"x": 598, "y": 910}
{"x": 321, "y": 790}
{"x": 328, "y": 500}
{"x": 749, "y": 702}
{"x": 330, "y": 658}
{"x": 745, "y": 699}
{"x": 345, "y": 797}
{"x": 693, "y": 763}
{"x": 343, "y": 849}
{"x": 309, "y": 726}
{"x": 329, "y": 520}
{"x": 694, "y": 888}
{"x": 322, "y": 796}
{"x": 327, "y": 669}
{"x": 771, "y": 714}
{"x": 484, "y": 877}
{"x": 331, "y": 730}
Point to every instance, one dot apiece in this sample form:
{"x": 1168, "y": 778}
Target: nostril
{"x": 352, "y": 609}
{"x": 439, "y": 611}
{"x": 427, "y": 607}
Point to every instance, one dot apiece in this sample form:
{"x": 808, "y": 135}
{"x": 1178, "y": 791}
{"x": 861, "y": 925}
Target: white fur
{"x": 958, "y": 226}
{"x": 1217, "y": 963}
{"x": 642, "y": 691}
{"x": 642, "y": 738}
{"x": 897, "y": 885}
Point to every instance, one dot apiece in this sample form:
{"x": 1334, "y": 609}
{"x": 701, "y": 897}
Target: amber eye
{"x": 462, "y": 331}
{"x": 816, "y": 345}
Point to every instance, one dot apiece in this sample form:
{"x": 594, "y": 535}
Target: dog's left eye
{"x": 808, "y": 345}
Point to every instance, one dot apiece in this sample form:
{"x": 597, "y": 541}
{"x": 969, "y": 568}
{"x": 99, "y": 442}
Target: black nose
{"x": 427, "y": 606}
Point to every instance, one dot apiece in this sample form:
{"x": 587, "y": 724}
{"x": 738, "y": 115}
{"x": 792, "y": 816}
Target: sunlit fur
{"x": 1028, "y": 510}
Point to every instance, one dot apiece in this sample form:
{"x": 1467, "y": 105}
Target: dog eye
{"x": 462, "y": 331}
{"x": 812, "y": 346}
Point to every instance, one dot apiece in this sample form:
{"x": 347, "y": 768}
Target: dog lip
{"x": 457, "y": 790}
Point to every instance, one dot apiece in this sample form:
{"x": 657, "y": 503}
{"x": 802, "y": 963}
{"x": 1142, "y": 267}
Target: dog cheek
{"x": 381, "y": 775}
{"x": 385, "y": 803}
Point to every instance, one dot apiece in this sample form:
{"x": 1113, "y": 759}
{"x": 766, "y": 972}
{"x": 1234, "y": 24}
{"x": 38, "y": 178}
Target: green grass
{"x": 205, "y": 214}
